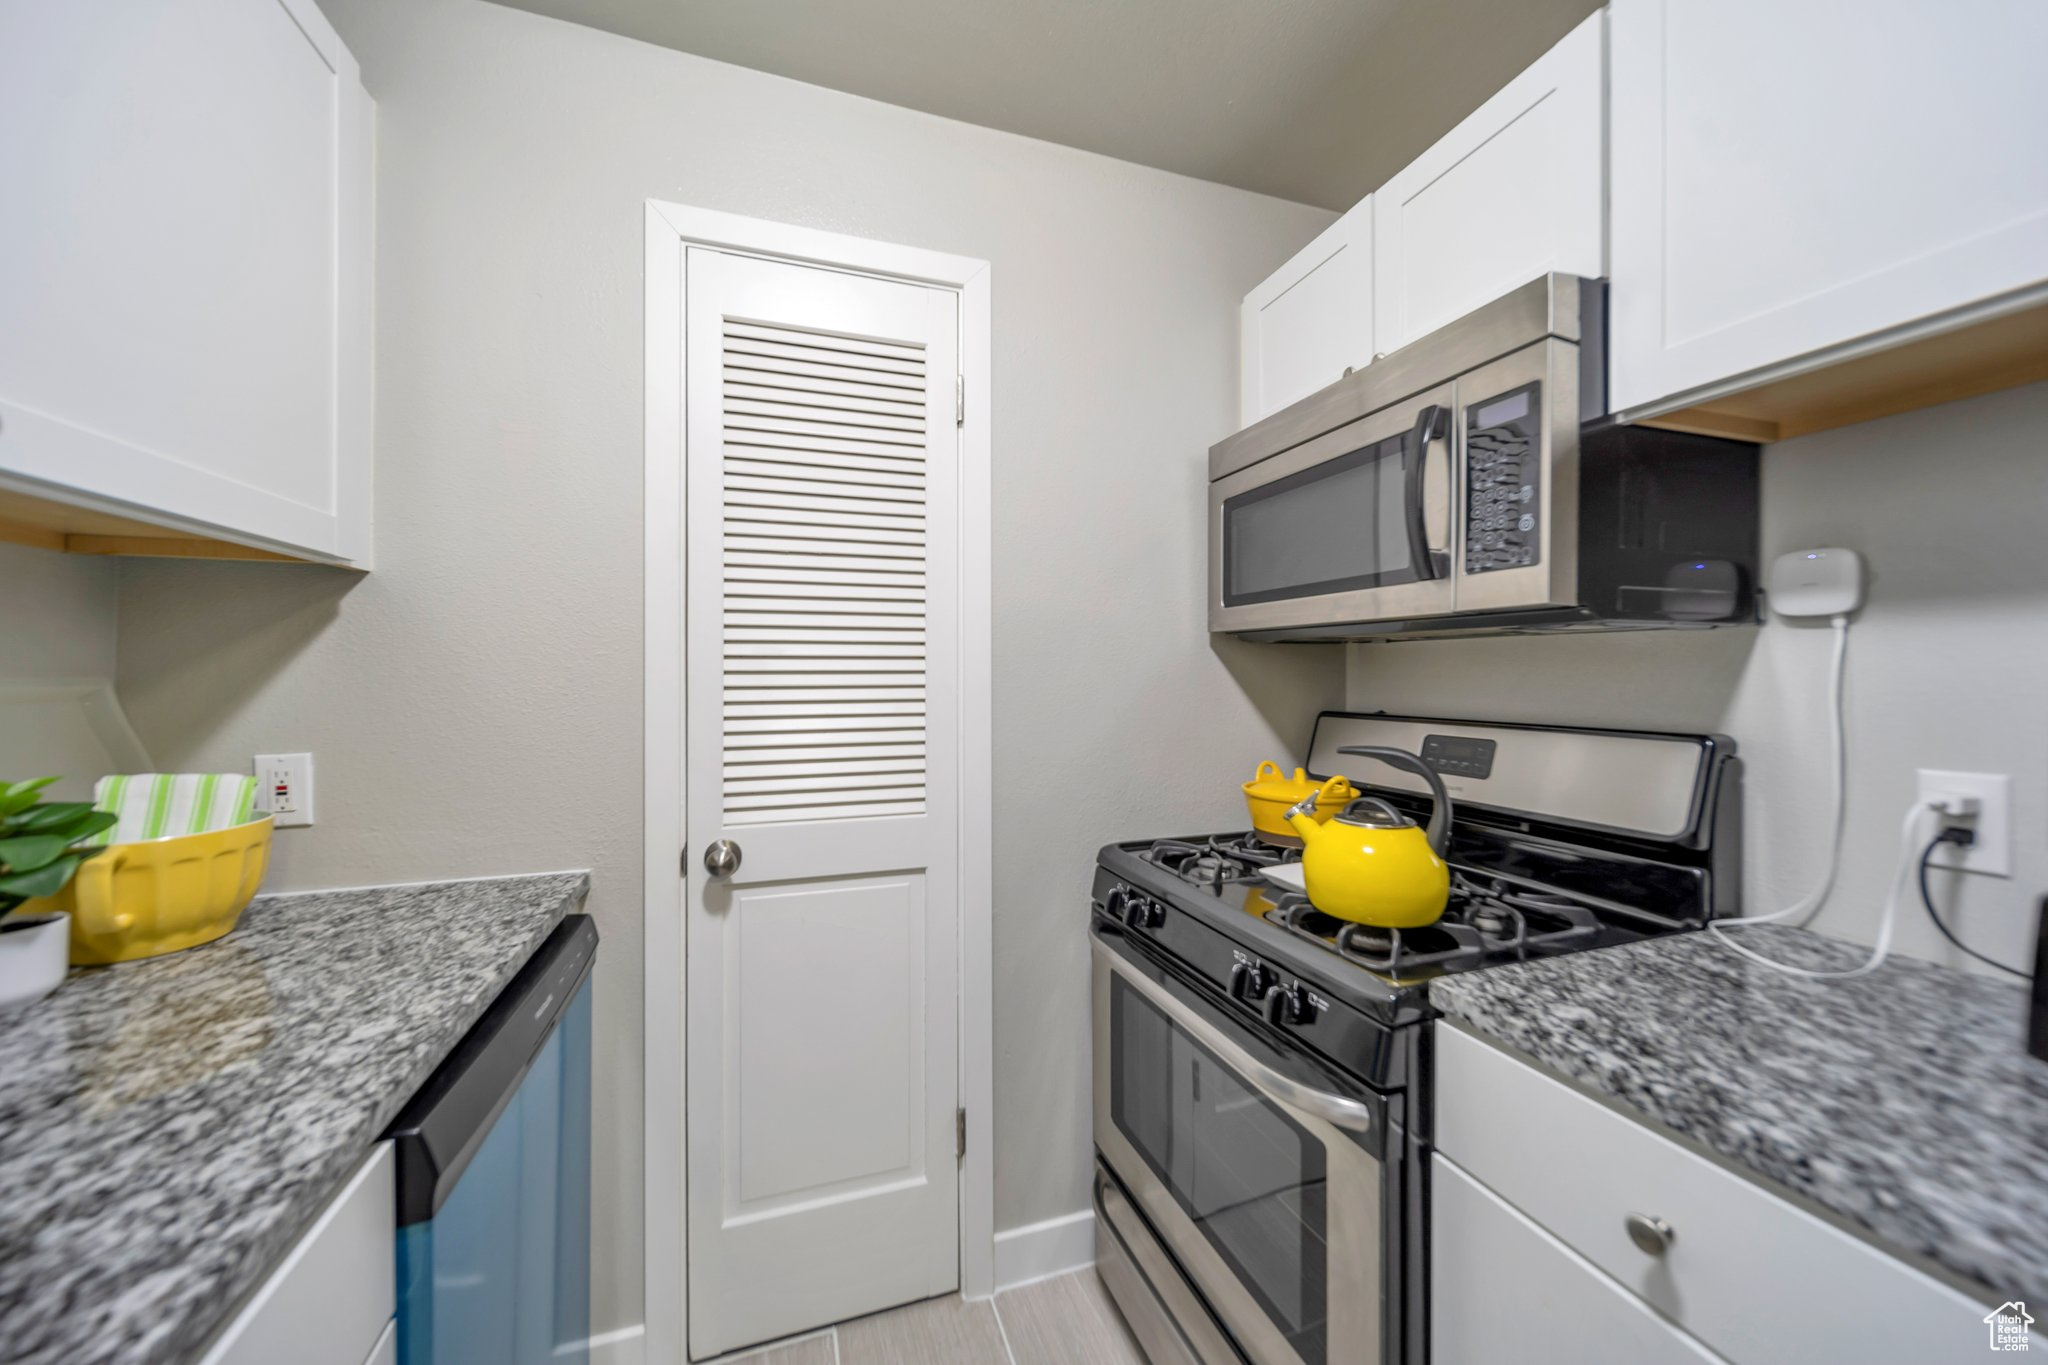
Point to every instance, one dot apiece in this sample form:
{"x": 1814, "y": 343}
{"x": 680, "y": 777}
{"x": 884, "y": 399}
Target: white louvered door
{"x": 822, "y": 652}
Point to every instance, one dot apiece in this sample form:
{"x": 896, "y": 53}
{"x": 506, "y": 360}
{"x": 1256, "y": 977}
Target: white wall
{"x": 58, "y": 619}
{"x": 57, "y": 614}
{"x": 1946, "y": 665}
{"x": 474, "y": 704}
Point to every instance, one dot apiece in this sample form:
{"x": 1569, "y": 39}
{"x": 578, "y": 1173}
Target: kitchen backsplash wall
{"x": 57, "y": 615}
{"x": 1946, "y": 665}
{"x": 474, "y": 704}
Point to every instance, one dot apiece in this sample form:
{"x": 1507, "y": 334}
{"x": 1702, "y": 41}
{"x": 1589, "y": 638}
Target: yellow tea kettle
{"x": 1372, "y": 864}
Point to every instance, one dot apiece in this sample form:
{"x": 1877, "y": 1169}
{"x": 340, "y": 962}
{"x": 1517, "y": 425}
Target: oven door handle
{"x": 1423, "y": 559}
{"x": 1335, "y": 1110}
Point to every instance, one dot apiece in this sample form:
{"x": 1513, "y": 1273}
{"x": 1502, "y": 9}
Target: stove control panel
{"x": 1459, "y": 755}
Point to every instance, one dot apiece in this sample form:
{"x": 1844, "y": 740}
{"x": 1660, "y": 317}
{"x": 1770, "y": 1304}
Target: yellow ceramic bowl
{"x": 160, "y": 895}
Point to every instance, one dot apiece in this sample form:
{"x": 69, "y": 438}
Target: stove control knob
{"x": 1250, "y": 981}
{"x": 1288, "y": 1005}
{"x": 1155, "y": 915}
{"x": 1113, "y": 903}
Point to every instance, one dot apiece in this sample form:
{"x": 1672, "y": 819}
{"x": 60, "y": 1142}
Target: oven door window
{"x": 1249, "y": 1177}
{"x": 1338, "y": 526}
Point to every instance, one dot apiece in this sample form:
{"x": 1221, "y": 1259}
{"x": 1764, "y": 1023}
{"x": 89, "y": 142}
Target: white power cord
{"x": 1809, "y": 905}
{"x": 1909, "y": 848}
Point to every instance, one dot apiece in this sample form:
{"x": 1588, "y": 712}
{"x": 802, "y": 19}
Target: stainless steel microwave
{"x": 1470, "y": 483}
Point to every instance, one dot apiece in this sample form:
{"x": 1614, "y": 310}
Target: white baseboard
{"x": 624, "y": 1346}
{"x": 1039, "y": 1251}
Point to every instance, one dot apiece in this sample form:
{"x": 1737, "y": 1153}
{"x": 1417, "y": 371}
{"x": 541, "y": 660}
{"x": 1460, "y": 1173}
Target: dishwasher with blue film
{"x": 494, "y": 1177}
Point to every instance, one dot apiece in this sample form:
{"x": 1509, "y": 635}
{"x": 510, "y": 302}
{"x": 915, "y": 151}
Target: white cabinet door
{"x": 1310, "y": 320}
{"x": 185, "y": 267}
{"x": 1502, "y": 1289}
{"x": 1791, "y": 175}
{"x": 1515, "y": 191}
{"x": 330, "y": 1301}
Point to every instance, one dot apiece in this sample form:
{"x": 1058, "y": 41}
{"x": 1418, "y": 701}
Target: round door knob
{"x": 1652, "y": 1236}
{"x": 722, "y": 858}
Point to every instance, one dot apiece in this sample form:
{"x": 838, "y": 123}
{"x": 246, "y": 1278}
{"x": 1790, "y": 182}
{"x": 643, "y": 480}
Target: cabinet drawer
{"x": 1751, "y": 1275}
{"x": 1505, "y": 1290}
{"x": 335, "y": 1291}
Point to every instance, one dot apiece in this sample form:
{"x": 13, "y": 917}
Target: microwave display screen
{"x": 1504, "y": 482}
{"x": 1333, "y": 527}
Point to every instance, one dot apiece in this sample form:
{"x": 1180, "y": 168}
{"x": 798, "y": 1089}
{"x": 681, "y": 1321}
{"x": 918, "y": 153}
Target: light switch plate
{"x": 284, "y": 788}
{"x": 1991, "y": 854}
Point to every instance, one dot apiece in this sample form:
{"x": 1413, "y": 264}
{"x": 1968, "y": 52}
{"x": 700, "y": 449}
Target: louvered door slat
{"x": 812, "y": 469}
{"x": 744, "y": 396}
{"x": 796, "y": 377}
{"x": 824, "y": 490}
{"x": 766, "y": 430}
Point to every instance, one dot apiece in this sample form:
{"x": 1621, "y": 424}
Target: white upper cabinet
{"x": 1513, "y": 192}
{"x": 1310, "y": 321}
{"x": 185, "y": 265}
{"x": 1792, "y": 175}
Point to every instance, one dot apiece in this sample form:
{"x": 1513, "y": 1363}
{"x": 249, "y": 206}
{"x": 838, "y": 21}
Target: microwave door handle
{"x": 1422, "y": 558}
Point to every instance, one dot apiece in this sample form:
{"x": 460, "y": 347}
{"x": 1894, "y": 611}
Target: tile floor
{"x": 1066, "y": 1320}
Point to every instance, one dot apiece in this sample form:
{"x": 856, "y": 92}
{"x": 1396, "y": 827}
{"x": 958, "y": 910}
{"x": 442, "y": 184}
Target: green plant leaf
{"x": 16, "y": 796}
{"x": 45, "y": 819}
{"x": 32, "y": 851}
{"x": 44, "y": 881}
{"x": 88, "y": 825}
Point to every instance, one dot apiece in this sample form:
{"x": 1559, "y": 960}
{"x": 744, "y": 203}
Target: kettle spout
{"x": 1301, "y": 816}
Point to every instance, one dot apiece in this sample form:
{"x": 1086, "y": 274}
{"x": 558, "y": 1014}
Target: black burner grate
{"x": 1219, "y": 860}
{"x": 1487, "y": 919}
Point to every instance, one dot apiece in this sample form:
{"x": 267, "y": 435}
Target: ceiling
{"x": 1318, "y": 101}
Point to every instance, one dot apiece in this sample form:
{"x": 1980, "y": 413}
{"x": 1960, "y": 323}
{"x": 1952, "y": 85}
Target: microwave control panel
{"x": 1503, "y": 481}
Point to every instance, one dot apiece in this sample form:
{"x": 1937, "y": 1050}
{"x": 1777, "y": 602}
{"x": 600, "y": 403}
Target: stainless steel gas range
{"x": 1263, "y": 1072}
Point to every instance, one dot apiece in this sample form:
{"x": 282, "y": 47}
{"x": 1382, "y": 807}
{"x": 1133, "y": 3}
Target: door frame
{"x": 670, "y": 230}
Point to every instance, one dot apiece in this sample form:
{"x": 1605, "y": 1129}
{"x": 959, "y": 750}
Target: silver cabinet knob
{"x": 1652, "y": 1236}
{"x": 722, "y": 858}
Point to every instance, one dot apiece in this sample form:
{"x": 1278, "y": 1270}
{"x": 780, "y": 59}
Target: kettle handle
{"x": 1440, "y": 813}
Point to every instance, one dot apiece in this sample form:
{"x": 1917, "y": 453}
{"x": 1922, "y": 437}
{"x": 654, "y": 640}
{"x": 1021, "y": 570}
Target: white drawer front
{"x": 1750, "y": 1274}
{"x": 335, "y": 1292}
{"x": 1502, "y": 1289}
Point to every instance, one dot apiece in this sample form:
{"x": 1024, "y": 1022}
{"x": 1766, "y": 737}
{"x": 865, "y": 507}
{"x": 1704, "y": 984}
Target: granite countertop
{"x": 169, "y": 1127}
{"x": 1903, "y": 1101}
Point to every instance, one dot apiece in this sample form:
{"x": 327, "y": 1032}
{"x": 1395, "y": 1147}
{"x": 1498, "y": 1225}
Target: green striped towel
{"x": 153, "y": 805}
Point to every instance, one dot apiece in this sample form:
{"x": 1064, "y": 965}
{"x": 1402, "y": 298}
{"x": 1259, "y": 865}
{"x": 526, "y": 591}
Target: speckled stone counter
{"x": 1903, "y": 1101}
{"x": 169, "y": 1127}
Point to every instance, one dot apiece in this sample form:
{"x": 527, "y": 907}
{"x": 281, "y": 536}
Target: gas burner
{"x": 1514, "y": 917}
{"x": 1487, "y": 920}
{"x": 1217, "y": 861}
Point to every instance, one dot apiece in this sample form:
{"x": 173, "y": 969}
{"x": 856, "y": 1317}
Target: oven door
{"x": 1352, "y": 526}
{"x": 1261, "y": 1176}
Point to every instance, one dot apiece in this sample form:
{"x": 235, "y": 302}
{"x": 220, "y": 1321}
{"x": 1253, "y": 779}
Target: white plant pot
{"x": 33, "y": 960}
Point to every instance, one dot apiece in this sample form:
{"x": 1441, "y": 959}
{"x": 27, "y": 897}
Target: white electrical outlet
{"x": 284, "y": 788}
{"x": 1991, "y": 853}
